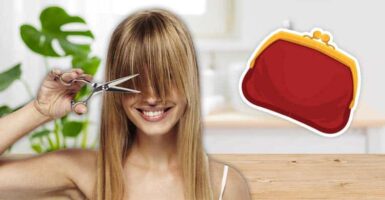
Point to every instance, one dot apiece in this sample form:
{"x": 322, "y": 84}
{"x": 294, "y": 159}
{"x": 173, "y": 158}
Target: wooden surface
{"x": 311, "y": 176}
{"x": 364, "y": 117}
{"x": 306, "y": 176}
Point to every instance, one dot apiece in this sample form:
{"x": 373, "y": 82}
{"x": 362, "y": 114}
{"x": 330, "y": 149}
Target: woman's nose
{"x": 151, "y": 98}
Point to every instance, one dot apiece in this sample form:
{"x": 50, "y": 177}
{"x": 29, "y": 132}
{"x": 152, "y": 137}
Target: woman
{"x": 150, "y": 143}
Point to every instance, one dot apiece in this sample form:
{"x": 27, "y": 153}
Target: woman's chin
{"x": 155, "y": 131}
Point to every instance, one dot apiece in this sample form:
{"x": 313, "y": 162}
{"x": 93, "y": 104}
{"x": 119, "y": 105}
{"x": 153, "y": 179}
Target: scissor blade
{"x": 120, "y": 80}
{"x": 121, "y": 89}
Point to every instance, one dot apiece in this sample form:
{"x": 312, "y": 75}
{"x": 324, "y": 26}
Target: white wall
{"x": 358, "y": 28}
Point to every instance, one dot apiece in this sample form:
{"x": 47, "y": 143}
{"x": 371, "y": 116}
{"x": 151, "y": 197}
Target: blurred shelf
{"x": 364, "y": 117}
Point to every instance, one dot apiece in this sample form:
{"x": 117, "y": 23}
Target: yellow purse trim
{"x": 309, "y": 42}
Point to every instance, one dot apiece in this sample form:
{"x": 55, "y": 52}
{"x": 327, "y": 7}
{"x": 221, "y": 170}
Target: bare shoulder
{"x": 236, "y": 187}
{"x": 216, "y": 172}
{"x": 82, "y": 157}
{"x": 81, "y": 167}
{"x": 66, "y": 172}
{"x": 236, "y": 184}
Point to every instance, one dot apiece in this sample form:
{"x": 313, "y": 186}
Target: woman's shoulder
{"x": 236, "y": 184}
{"x": 217, "y": 167}
{"x": 79, "y": 158}
{"x": 81, "y": 167}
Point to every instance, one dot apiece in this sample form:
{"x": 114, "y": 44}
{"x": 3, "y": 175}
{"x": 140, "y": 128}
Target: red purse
{"x": 303, "y": 79}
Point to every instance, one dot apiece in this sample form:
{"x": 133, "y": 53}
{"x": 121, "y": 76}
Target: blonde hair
{"x": 156, "y": 44}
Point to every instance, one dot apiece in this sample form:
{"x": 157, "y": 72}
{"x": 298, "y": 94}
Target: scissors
{"x": 100, "y": 87}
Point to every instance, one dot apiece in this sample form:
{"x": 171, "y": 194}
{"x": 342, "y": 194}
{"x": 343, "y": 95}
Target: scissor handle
{"x": 85, "y": 101}
{"x": 75, "y": 103}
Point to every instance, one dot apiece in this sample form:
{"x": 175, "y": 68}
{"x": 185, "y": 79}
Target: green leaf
{"x": 89, "y": 65}
{"x": 40, "y": 134}
{"x": 63, "y": 119}
{"x": 52, "y": 19}
{"x": 72, "y": 128}
{"x": 37, "y": 41}
{"x": 37, "y": 148}
{"x": 4, "y": 110}
{"x": 7, "y": 77}
{"x": 84, "y": 91}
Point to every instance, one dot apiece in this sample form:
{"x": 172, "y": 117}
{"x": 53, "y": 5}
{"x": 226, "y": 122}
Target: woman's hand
{"x": 54, "y": 98}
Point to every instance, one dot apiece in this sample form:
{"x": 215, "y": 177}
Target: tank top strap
{"x": 224, "y": 180}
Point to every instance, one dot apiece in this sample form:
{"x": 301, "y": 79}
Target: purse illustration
{"x": 304, "y": 79}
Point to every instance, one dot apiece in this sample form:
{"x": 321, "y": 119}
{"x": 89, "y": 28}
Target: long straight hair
{"x": 156, "y": 44}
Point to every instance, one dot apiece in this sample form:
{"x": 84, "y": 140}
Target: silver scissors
{"x": 100, "y": 87}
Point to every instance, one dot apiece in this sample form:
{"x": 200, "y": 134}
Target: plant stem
{"x": 85, "y": 133}
{"x": 41, "y": 144}
{"x": 56, "y": 131}
{"x": 51, "y": 144}
{"x": 94, "y": 143}
{"x": 64, "y": 141}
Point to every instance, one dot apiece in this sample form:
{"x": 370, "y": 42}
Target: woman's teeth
{"x": 153, "y": 113}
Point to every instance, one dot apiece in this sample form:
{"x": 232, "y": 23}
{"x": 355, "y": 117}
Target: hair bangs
{"x": 158, "y": 57}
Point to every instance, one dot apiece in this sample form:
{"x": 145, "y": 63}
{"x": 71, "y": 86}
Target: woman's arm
{"x": 62, "y": 173}
{"x": 49, "y": 174}
{"x": 34, "y": 176}
{"x": 15, "y": 125}
{"x": 52, "y": 101}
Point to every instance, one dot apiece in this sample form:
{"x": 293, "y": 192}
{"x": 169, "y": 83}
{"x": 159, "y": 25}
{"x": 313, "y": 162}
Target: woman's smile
{"x": 151, "y": 115}
{"x": 154, "y": 114}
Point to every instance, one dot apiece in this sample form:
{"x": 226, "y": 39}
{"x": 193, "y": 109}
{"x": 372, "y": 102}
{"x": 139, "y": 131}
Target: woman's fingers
{"x": 78, "y": 70}
{"x": 87, "y": 77}
{"x": 77, "y": 85}
{"x": 67, "y": 77}
{"x": 54, "y": 74}
{"x": 73, "y": 86}
{"x": 80, "y": 108}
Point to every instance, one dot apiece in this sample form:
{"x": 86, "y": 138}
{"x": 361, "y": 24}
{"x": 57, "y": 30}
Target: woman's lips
{"x": 154, "y": 114}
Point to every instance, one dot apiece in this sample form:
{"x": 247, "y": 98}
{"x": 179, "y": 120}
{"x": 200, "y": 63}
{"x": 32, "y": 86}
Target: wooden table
{"x": 306, "y": 176}
{"x": 316, "y": 176}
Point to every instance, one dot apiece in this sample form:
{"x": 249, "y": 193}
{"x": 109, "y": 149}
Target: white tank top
{"x": 224, "y": 179}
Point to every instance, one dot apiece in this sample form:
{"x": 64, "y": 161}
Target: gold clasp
{"x": 324, "y": 37}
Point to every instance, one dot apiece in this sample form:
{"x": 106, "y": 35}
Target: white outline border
{"x": 329, "y": 135}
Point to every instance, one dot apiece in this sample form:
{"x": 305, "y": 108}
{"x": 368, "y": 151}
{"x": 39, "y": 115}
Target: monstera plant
{"x": 41, "y": 40}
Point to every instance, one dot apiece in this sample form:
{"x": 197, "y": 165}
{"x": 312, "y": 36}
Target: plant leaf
{"x": 37, "y": 148}
{"x": 7, "y": 77}
{"x": 85, "y": 90}
{"x": 37, "y": 41}
{"x": 89, "y": 65}
{"x": 72, "y": 128}
{"x": 4, "y": 110}
{"x": 40, "y": 134}
{"x": 52, "y": 19}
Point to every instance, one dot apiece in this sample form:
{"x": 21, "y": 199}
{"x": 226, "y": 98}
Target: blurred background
{"x": 225, "y": 33}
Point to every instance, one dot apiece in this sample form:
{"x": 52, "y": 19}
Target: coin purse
{"x": 303, "y": 78}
